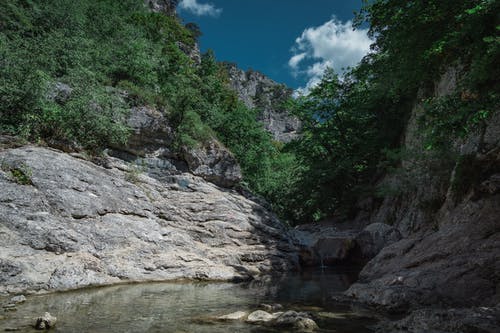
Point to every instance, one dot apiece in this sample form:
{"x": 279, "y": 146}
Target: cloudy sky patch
{"x": 334, "y": 44}
{"x": 199, "y": 9}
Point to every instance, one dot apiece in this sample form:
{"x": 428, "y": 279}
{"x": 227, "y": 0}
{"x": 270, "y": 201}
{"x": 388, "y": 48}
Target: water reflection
{"x": 181, "y": 307}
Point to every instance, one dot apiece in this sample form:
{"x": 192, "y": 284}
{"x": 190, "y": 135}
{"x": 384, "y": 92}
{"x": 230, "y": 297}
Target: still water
{"x": 186, "y": 307}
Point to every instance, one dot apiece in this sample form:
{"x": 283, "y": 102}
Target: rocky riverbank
{"x": 68, "y": 223}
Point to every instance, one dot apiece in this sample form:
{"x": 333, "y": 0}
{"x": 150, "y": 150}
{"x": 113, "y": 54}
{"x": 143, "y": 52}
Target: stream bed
{"x": 188, "y": 307}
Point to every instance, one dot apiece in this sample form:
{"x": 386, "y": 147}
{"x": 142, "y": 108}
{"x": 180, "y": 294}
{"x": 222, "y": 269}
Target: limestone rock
{"x": 18, "y": 299}
{"x": 259, "y": 316}
{"x": 472, "y": 320}
{"x": 299, "y": 321}
{"x": 375, "y": 237}
{"x": 324, "y": 245}
{"x": 150, "y": 149}
{"x": 45, "y": 322}
{"x": 81, "y": 224}
{"x": 213, "y": 162}
{"x": 258, "y": 91}
{"x": 238, "y": 315}
{"x": 162, "y": 6}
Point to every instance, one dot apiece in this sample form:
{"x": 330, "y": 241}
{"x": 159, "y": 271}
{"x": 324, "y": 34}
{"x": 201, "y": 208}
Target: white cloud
{"x": 199, "y": 9}
{"x": 333, "y": 44}
{"x": 296, "y": 59}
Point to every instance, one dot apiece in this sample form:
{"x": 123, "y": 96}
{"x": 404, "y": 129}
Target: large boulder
{"x": 80, "y": 224}
{"x": 213, "y": 162}
{"x": 375, "y": 237}
{"x": 322, "y": 245}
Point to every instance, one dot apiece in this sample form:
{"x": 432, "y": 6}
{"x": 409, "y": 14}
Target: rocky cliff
{"x": 448, "y": 211}
{"x": 68, "y": 223}
{"x": 258, "y": 91}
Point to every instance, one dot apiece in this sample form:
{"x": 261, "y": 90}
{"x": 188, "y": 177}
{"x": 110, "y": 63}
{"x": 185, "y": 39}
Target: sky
{"x": 291, "y": 41}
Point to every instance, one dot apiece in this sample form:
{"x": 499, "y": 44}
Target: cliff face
{"x": 258, "y": 91}
{"x": 448, "y": 211}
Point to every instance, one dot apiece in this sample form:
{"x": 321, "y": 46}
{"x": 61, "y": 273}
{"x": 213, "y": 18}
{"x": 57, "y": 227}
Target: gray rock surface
{"x": 162, "y": 6}
{"x": 258, "y": 91}
{"x": 484, "y": 320}
{"x": 213, "y": 162}
{"x": 150, "y": 149}
{"x": 374, "y": 237}
{"x": 45, "y": 322}
{"x": 450, "y": 250}
{"x": 327, "y": 244}
{"x": 259, "y": 316}
{"x": 80, "y": 224}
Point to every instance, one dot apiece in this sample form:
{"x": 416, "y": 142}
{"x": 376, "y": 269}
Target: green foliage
{"x": 19, "y": 173}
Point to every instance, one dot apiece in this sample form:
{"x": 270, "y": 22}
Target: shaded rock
{"x": 447, "y": 211}
{"x": 259, "y": 316}
{"x": 298, "y": 321}
{"x": 59, "y": 92}
{"x": 484, "y": 320}
{"x": 375, "y": 237}
{"x": 45, "y": 322}
{"x": 238, "y": 315}
{"x": 323, "y": 246}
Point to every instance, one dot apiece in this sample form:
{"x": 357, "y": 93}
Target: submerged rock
{"x": 298, "y": 321}
{"x": 18, "y": 299}
{"x": 45, "y": 322}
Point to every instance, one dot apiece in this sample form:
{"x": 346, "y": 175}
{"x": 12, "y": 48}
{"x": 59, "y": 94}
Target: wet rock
{"x": 238, "y": 315}
{"x": 18, "y": 299}
{"x": 45, "y": 322}
{"x": 271, "y": 307}
{"x": 259, "y": 316}
{"x": 298, "y": 321}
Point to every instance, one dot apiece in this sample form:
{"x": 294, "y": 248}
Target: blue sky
{"x": 291, "y": 41}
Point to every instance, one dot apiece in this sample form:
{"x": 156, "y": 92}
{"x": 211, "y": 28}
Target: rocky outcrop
{"x": 448, "y": 213}
{"x": 260, "y": 92}
{"x": 214, "y": 163}
{"x": 162, "y": 6}
{"x": 80, "y": 224}
{"x": 150, "y": 148}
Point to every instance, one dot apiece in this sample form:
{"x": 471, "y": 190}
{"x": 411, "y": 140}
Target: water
{"x": 188, "y": 307}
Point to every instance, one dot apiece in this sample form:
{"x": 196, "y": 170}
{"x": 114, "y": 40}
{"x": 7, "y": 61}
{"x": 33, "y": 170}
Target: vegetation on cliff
{"x": 71, "y": 70}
